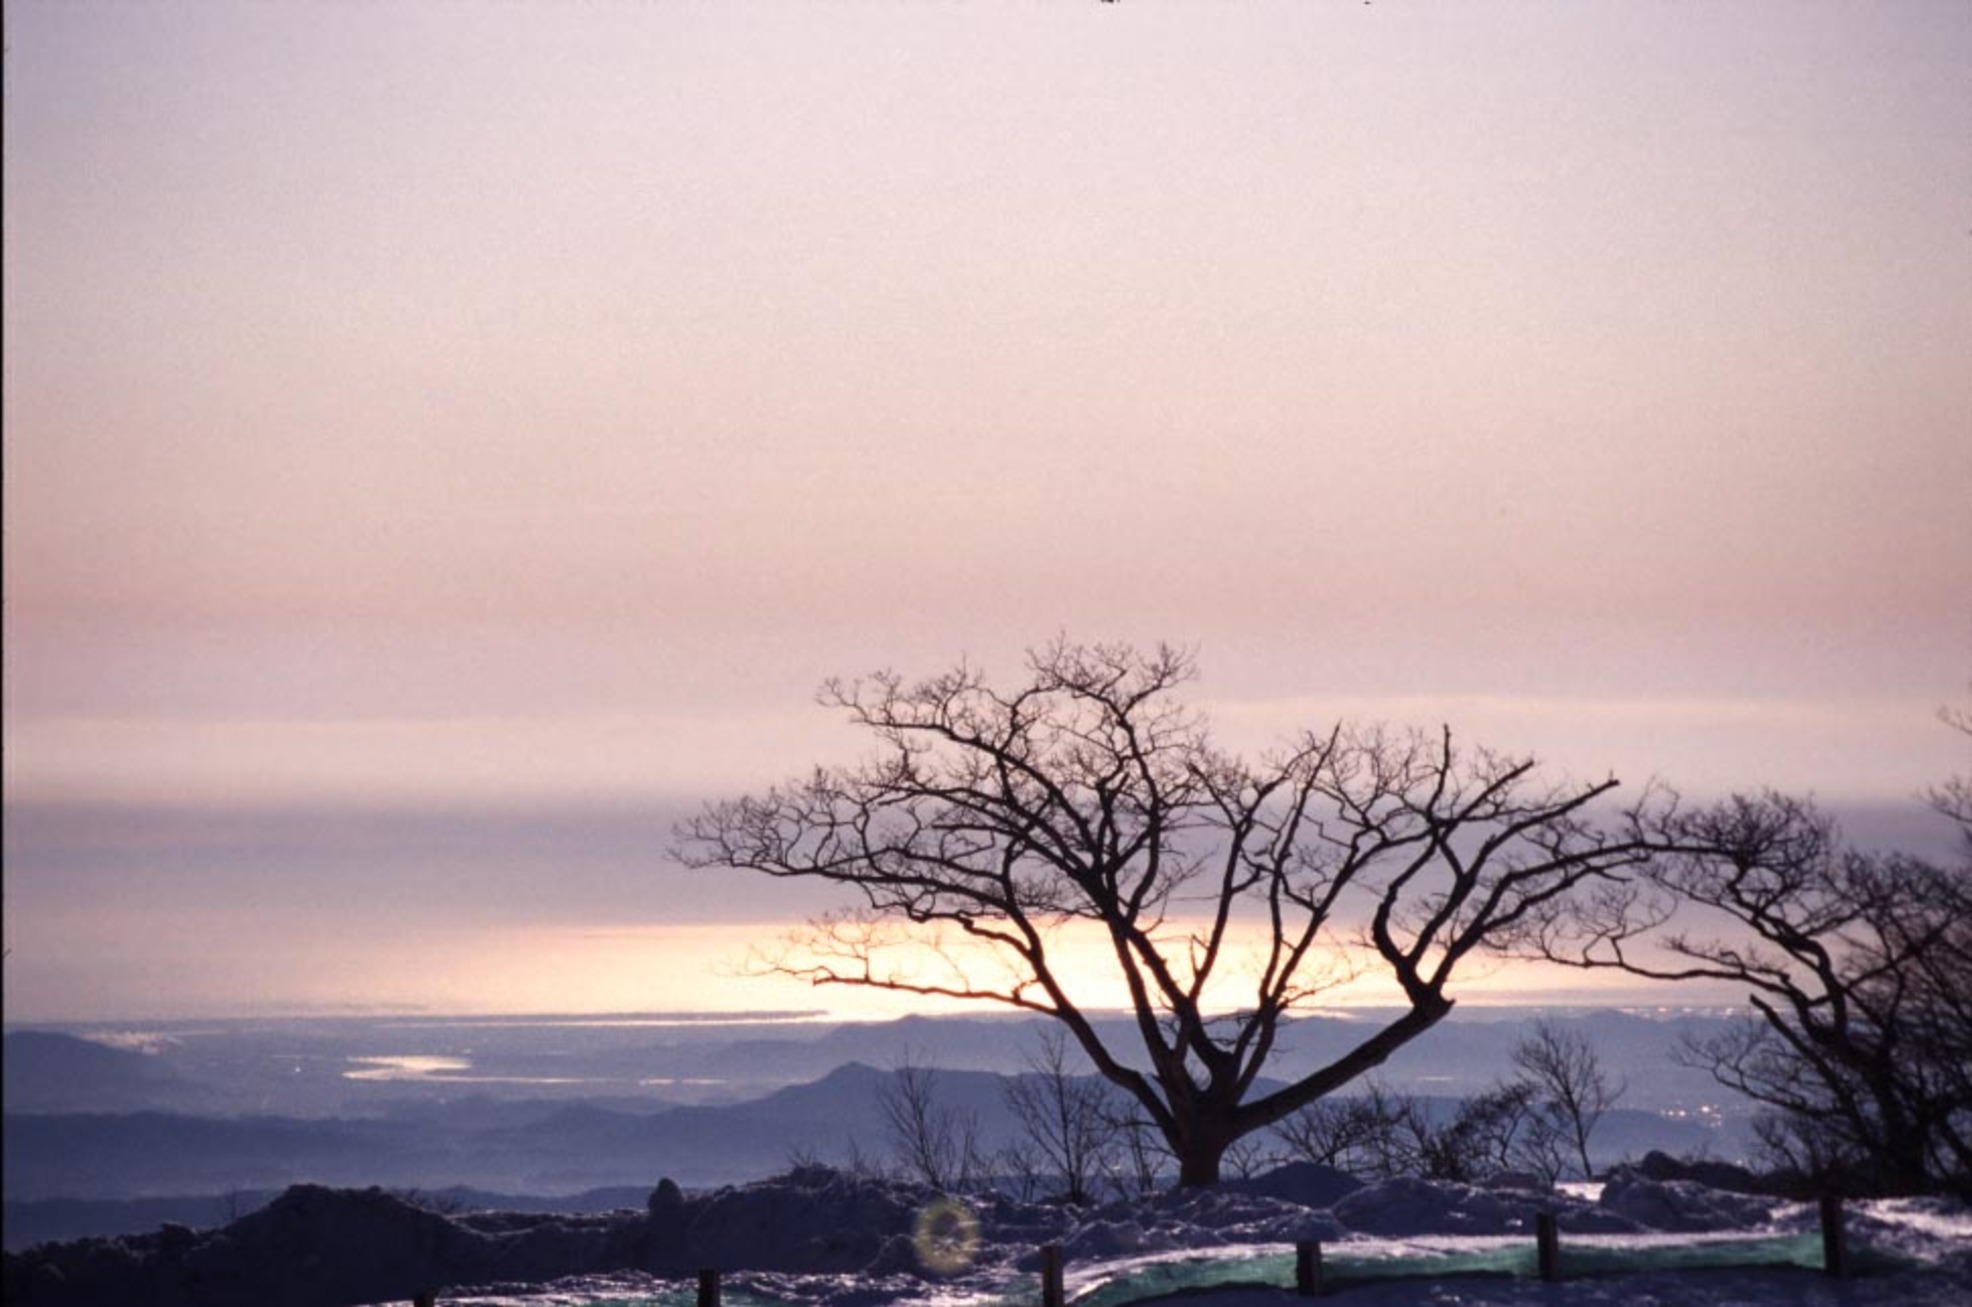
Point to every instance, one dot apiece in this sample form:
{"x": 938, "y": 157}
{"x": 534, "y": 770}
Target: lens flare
{"x": 946, "y": 1237}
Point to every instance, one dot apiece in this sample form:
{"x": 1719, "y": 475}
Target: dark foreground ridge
{"x": 316, "y": 1246}
{"x": 320, "y": 1247}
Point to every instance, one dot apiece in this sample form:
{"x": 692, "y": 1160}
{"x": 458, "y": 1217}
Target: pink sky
{"x": 458, "y": 412}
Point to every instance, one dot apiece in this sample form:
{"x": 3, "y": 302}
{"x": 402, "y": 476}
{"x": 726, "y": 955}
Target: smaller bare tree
{"x": 1145, "y": 1157}
{"x": 859, "y": 1163}
{"x": 1019, "y": 1164}
{"x": 1326, "y": 1132}
{"x": 934, "y": 1143}
{"x": 1383, "y": 1135}
{"x": 1378, "y": 1134}
{"x": 1568, "y": 1079}
{"x": 1506, "y": 1128}
{"x": 1856, "y": 964}
{"x": 1251, "y": 1155}
{"x": 1067, "y": 1119}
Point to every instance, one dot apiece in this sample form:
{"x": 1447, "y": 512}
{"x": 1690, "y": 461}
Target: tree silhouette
{"x": 1068, "y": 1121}
{"x": 1090, "y": 795}
{"x": 1567, "y": 1077}
{"x": 1858, "y": 966}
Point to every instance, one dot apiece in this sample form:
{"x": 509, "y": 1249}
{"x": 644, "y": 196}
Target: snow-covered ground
{"x": 1469, "y": 1247}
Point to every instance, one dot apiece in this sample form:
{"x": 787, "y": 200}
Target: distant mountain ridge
{"x": 549, "y": 1147}
{"x": 43, "y": 1071}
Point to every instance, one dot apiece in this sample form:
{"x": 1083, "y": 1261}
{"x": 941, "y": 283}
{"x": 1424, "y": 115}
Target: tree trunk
{"x": 1198, "y": 1168}
{"x": 1200, "y": 1150}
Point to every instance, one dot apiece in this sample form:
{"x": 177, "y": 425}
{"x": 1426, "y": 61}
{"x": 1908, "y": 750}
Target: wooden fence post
{"x": 1547, "y": 1246}
{"x": 1308, "y": 1268}
{"x": 708, "y": 1286}
{"x": 1051, "y": 1290}
{"x": 1834, "y": 1237}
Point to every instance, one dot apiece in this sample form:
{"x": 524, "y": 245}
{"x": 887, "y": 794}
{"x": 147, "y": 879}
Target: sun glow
{"x": 750, "y": 966}
{"x": 1081, "y": 959}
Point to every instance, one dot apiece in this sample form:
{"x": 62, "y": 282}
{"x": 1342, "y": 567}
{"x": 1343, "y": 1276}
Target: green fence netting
{"x": 1343, "y": 1265}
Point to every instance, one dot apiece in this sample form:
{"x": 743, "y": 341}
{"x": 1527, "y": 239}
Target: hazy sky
{"x": 445, "y": 441}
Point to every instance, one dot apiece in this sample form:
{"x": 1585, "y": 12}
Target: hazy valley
{"x": 114, "y": 1129}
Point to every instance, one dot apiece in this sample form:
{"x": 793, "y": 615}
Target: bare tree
{"x": 1857, "y": 966}
{"x": 1568, "y": 1079}
{"x": 1250, "y": 1155}
{"x": 1501, "y": 1129}
{"x": 1067, "y": 1119}
{"x": 233, "y": 1204}
{"x": 1089, "y": 795}
{"x": 858, "y": 1163}
{"x": 1382, "y": 1135}
{"x": 1019, "y": 1163}
{"x": 1146, "y": 1157}
{"x": 1377, "y": 1134}
{"x": 934, "y": 1143}
{"x": 1940, "y": 1011}
{"x": 1325, "y": 1133}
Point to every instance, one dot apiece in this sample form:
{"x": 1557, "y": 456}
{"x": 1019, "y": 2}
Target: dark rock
{"x": 1713, "y": 1175}
{"x": 1680, "y": 1205}
{"x": 666, "y": 1198}
{"x": 173, "y": 1237}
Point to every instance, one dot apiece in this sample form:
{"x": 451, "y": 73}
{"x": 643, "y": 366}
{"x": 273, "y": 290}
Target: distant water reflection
{"x": 449, "y": 1069}
{"x": 431, "y": 1067}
